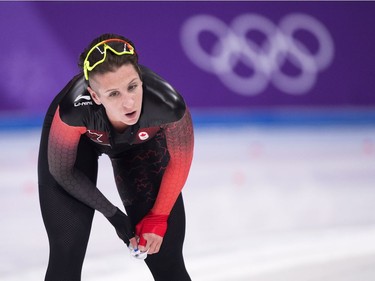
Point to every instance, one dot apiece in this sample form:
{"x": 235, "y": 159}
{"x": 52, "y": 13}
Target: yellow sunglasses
{"x": 115, "y": 45}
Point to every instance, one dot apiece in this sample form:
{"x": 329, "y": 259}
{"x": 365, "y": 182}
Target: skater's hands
{"x": 152, "y": 243}
{"x": 123, "y": 226}
{"x": 134, "y": 243}
{"x": 151, "y": 230}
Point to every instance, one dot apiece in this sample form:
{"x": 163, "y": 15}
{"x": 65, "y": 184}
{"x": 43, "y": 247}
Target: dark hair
{"x": 112, "y": 60}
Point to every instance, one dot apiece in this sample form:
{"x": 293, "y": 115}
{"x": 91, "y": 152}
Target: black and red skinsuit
{"x": 151, "y": 162}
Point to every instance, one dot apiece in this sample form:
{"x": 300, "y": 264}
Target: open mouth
{"x": 131, "y": 114}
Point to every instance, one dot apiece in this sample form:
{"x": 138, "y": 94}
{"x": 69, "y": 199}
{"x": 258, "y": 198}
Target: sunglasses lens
{"x": 96, "y": 55}
{"x": 119, "y": 47}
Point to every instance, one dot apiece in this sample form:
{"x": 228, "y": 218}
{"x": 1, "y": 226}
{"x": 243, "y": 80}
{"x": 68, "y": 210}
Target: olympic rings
{"x": 234, "y": 47}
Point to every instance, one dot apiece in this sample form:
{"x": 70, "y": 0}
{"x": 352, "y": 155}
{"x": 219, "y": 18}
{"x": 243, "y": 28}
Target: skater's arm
{"x": 62, "y": 152}
{"x": 180, "y": 142}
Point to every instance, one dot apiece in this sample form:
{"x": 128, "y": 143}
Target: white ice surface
{"x": 262, "y": 204}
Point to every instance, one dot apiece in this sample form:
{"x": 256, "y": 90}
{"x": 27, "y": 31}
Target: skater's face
{"x": 121, "y": 93}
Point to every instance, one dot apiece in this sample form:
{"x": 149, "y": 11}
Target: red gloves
{"x": 151, "y": 223}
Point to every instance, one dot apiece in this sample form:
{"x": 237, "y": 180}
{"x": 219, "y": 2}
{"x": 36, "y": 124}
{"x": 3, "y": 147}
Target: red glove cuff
{"x": 151, "y": 223}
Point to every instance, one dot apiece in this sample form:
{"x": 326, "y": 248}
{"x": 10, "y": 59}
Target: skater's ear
{"x": 94, "y": 95}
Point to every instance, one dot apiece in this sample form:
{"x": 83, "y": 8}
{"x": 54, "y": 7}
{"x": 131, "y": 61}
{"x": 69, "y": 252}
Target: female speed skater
{"x": 117, "y": 107}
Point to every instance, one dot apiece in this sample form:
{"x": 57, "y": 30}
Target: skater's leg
{"x": 67, "y": 220}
